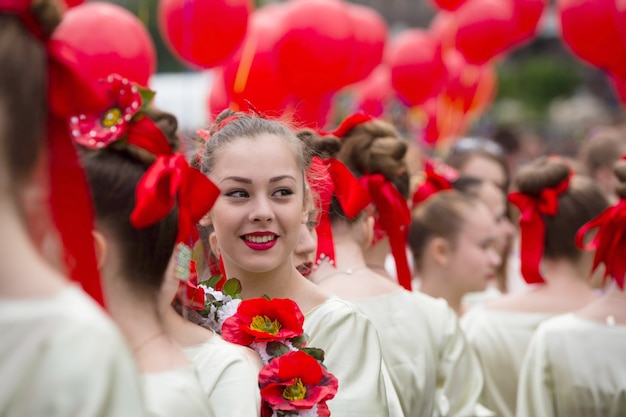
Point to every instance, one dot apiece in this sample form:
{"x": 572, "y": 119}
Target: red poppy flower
{"x": 296, "y": 381}
{"x": 262, "y": 320}
{"x": 98, "y": 130}
{"x": 189, "y": 292}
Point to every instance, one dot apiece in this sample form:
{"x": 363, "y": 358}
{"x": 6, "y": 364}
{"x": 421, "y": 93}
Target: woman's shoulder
{"x": 175, "y": 392}
{"x": 218, "y": 353}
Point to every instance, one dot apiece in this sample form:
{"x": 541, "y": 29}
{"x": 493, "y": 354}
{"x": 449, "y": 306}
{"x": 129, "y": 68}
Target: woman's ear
{"x": 206, "y": 220}
{"x": 215, "y": 247}
{"x": 368, "y": 232}
{"x": 439, "y": 250}
{"x": 101, "y": 247}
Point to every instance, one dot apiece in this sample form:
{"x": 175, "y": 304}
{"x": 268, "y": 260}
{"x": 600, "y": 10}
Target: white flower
{"x": 227, "y": 310}
{"x": 312, "y": 412}
{"x": 261, "y": 349}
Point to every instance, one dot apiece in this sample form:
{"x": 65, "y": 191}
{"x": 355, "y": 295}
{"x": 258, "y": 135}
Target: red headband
{"x": 70, "y": 91}
{"x": 432, "y": 184}
{"x": 351, "y": 195}
{"x": 533, "y": 227}
{"x": 349, "y": 123}
{"x": 609, "y": 242}
{"x": 393, "y": 220}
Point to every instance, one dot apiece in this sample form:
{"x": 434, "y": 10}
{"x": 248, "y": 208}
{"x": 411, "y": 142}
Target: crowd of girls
{"x": 403, "y": 281}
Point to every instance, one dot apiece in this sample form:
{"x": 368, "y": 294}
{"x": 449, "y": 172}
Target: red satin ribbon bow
{"x": 70, "y": 91}
{"x": 433, "y": 183}
{"x": 533, "y": 227}
{"x": 609, "y": 242}
{"x": 350, "y": 123}
{"x": 169, "y": 181}
{"x": 351, "y": 195}
{"x": 393, "y": 219}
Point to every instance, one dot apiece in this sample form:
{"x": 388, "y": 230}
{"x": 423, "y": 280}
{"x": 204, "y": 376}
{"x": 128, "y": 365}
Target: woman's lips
{"x": 260, "y": 240}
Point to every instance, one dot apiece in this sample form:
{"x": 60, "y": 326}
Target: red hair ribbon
{"x": 609, "y": 242}
{"x": 533, "y": 227}
{"x": 433, "y": 183}
{"x": 393, "y": 219}
{"x": 351, "y": 195}
{"x": 170, "y": 181}
{"x": 189, "y": 292}
{"x": 70, "y": 91}
{"x": 349, "y": 123}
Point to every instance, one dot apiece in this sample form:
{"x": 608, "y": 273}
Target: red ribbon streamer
{"x": 433, "y": 183}
{"x": 168, "y": 181}
{"x": 352, "y": 197}
{"x": 70, "y": 91}
{"x": 349, "y": 123}
{"x": 609, "y": 241}
{"x": 533, "y": 227}
{"x": 394, "y": 218}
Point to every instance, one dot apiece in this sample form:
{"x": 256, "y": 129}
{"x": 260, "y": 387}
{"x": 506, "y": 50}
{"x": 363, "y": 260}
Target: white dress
{"x": 432, "y": 367}
{"x": 175, "y": 393}
{"x": 353, "y": 354}
{"x": 229, "y": 376}
{"x": 62, "y": 356}
{"x": 574, "y": 367}
{"x": 500, "y": 339}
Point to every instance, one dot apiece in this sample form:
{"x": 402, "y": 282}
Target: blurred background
{"x": 535, "y": 86}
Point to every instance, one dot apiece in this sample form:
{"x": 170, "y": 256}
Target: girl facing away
{"x": 60, "y": 354}
{"x": 259, "y": 166}
{"x": 575, "y": 363}
{"x": 553, "y": 205}
{"x": 427, "y": 358}
{"x": 142, "y": 210}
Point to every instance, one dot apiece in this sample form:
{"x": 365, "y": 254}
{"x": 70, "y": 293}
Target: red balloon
{"x": 449, "y": 5}
{"x": 253, "y": 74}
{"x": 484, "y": 29}
{"x": 526, "y": 17}
{"x": 589, "y": 29}
{"x": 72, "y": 3}
{"x": 620, "y": 18}
{"x": 470, "y": 88}
{"x": 370, "y": 35}
{"x": 372, "y": 94}
{"x": 443, "y": 30}
{"x": 112, "y": 39}
{"x": 310, "y": 112}
{"x": 315, "y": 46}
{"x": 202, "y": 33}
{"x": 218, "y": 99}
{"x": 417, "y": 68}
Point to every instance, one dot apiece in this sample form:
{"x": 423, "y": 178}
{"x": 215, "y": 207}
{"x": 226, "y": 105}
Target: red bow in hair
{"x": 70, "y": 91}
{"x": 351, "y": 195}
{"x": 393, "y": 219}
{"x": 433, "y": 183}
{"x": 533, "y": 228}
{"x": 609, "y": 242}
{"x": 349, "y": 123}
{"x": 170, "y": 181}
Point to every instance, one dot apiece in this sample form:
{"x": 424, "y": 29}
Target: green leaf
{"x": 146, "y": 96}
{"x": 232, "y": 287}
{"x": 315, "y": 352}
{"x": 299, "y": 341}
{"x": 276, "y": 349}
{"x": 267, "y": 297}
{"x": 212, "y": 282}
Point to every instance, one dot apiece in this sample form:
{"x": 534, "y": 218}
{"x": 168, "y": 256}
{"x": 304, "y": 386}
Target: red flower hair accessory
{"x": 330, "y": 176}
{"x": 437, "y": 177}
{"x": 261, "y": 320}
{"x": 350, "y": 123}
{"x": 533, "y": 227}
{"x": 70, "y": 91}
{"x": 393, "y": 220}
{"x": 121, "y": 118}
{"x": 609, "y": 241}
{"x": 168, "y": 182}
{"x": 296, "y": 381}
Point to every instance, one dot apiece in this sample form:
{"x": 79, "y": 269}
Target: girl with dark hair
{"x": 424, "y": 350}
{"x": 553, "y": 204}
{"x": 60, "y": 354}
{"x": 144, "y": 213}
{"x": 575, "y": 362}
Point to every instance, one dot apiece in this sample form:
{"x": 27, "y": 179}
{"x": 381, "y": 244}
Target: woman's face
{"x": 258, "y": 214}
{"x": 475, "y": 259}
{"x": 306, "y": 248}
{"x": 495, "y": 200}
{"x": 486, "y": 169}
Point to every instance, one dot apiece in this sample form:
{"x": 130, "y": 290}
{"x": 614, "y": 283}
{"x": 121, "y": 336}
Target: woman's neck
{"x": 183, "y": 331}
{"x": 561, "y": 274}
{"x": 24, "y": 273}
{"x": 436, "y": 287}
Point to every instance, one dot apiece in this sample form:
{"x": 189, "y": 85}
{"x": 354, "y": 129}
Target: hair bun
{"x": 543, "y": 172}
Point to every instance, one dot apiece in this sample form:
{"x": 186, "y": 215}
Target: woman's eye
{"x": 283, "y": 192}
{"x": 237, "y": 194}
